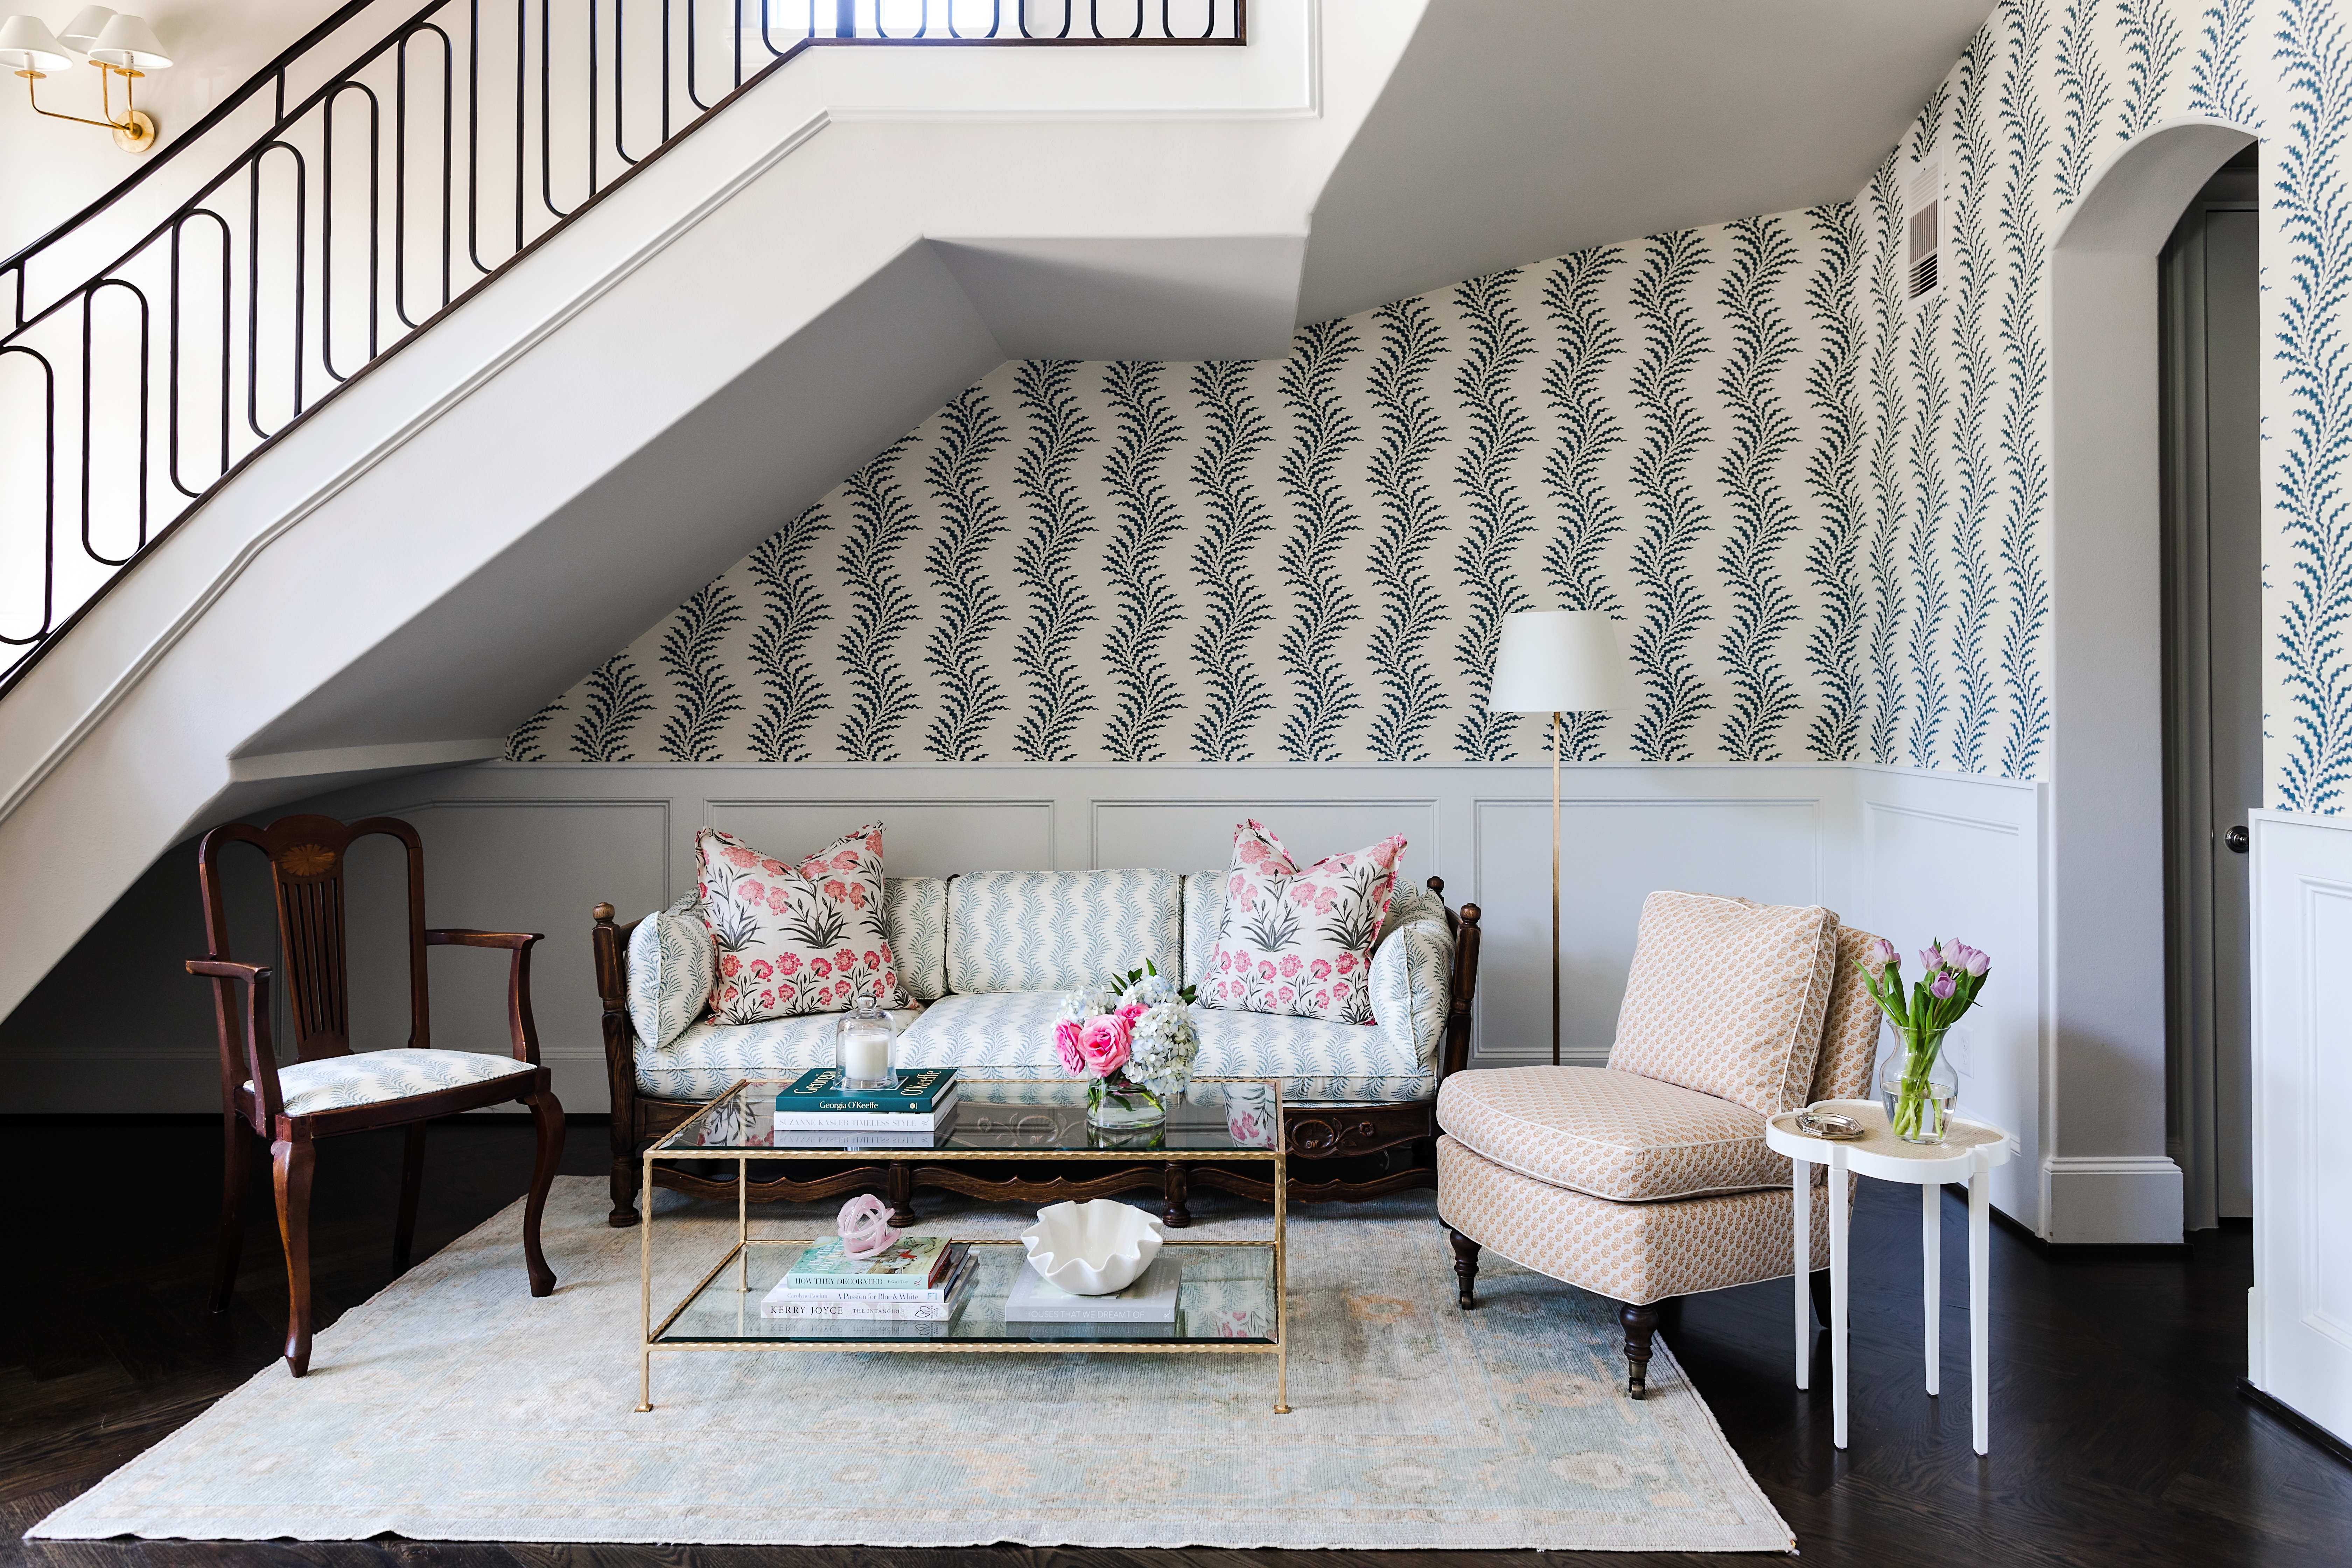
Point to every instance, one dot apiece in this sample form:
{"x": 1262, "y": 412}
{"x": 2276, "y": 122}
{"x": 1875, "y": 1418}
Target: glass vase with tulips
{"x": 1952, "y": 973}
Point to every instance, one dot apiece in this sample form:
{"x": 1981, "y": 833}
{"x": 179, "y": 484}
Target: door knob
{"x": 2234, "y": 841}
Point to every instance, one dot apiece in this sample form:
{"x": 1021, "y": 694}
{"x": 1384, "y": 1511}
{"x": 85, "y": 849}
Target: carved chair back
{"x": 307, "y": 858}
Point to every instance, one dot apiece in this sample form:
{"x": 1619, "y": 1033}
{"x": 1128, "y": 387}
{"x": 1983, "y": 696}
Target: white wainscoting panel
{"x": 1613, "y": 854}
{"x": 920, "y": 837}
{"x": 1196, "y": 835}
{"x": 1939, "y": 856}
{"x": 2299, "y": 1313}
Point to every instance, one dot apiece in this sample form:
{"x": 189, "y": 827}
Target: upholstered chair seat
{"x": 377, "y": 1077}
{"x": 1649, "y": 1179}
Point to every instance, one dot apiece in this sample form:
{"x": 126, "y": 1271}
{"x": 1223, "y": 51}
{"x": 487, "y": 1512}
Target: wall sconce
{"x": 118, "y": 46}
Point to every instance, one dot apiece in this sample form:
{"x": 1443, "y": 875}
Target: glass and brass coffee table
{"x": 1231, "y": 1300}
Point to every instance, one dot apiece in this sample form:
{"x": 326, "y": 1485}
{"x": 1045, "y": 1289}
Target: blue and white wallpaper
{"x": 1308, "y": 559}
{"x": 1956, "y": 527}
{"x": 1822, "y": 514}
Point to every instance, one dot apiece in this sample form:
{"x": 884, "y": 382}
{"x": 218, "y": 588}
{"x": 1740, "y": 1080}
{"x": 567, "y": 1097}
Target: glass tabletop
{"x": 1228, "y": 1117}
{"x": 1226, "y": 1293}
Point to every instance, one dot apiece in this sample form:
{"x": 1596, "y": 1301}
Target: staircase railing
{"x": 336, "y": 209}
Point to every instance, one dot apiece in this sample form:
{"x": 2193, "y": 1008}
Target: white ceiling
{"x": 1513, "y": 130}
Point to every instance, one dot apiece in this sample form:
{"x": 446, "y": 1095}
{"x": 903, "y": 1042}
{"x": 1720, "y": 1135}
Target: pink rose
{"x": 1106, "y": 1043}
{"x": 1065, "y": 1045}
{"x": 1132, "y": 1012}
{"x": 742, "y": 859}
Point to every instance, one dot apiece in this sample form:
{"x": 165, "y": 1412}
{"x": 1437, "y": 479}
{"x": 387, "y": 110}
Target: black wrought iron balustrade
{"x": 337, "y": 209}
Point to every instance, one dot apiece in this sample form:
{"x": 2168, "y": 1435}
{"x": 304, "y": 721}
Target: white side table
{"x": 1969, "y": 1152}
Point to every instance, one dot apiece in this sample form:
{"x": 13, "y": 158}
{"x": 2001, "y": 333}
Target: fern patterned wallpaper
{"x": 1822, "y": 517}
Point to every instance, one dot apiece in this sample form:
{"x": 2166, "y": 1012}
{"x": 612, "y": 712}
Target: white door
{"x": 2299, "y": 1313}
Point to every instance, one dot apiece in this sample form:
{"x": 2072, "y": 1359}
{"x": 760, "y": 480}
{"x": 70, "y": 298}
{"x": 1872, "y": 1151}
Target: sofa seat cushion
{"x": 710, "y": 1056}
{"x": 373, "y": 1077}
{"x": 1636, "y": 1253}
{"x": 1060, "y": 931}
{"x": 1614, "y": 1135}
{"x": 1013, "y": 1032}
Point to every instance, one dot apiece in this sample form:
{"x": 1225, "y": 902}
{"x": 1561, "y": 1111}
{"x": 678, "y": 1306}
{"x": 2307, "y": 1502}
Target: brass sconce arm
{"x": 134, "y": 131}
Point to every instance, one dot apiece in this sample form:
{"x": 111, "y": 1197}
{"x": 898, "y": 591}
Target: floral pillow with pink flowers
{"x": 1300, "y": 942}
{"x": 801, "y": 937}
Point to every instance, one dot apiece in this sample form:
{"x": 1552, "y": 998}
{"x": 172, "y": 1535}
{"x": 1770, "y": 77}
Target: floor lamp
{"x": 1556, "y": 662}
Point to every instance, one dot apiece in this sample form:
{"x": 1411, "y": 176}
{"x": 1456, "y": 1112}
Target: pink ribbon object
{"x": 864, "y": 1226}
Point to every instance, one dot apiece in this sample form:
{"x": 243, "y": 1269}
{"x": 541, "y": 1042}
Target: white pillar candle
{"x": 866, "y": 1054}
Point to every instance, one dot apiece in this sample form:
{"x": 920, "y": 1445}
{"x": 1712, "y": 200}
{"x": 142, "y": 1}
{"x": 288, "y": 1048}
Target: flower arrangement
{"x": 1133, "y": 1039}
{"x": 1952, "y": 973}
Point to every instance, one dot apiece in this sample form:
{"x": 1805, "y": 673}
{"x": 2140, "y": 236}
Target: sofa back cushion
{"x": 1058, "y": 930}
{"x": 1204, "y": 911}
{"x": 915, "y": 908}
{"x": 1726, "y": 996}
{"x": 671, "y": 965}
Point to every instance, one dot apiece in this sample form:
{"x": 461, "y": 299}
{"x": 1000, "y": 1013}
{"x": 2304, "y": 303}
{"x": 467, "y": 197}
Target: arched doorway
{"x": 2107, "y": 1174}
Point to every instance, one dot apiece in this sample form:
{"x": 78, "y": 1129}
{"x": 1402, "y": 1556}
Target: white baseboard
{"x": 2111, "y": 1198}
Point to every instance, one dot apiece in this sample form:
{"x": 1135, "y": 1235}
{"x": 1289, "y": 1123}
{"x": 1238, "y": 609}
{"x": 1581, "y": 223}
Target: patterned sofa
{"x": 988, "y": 957}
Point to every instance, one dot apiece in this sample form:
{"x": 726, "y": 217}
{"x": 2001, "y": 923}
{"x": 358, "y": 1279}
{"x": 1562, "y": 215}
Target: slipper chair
{"x": 1649, "y": 1179}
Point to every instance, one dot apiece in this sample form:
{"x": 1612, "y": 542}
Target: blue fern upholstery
{"x": 374, "y": 1078}
{"x": 672, "y": 963}
{"x": 1059, "y": 931}
{"x": 709, "y": 1056}
{"x": 916, "y": 910}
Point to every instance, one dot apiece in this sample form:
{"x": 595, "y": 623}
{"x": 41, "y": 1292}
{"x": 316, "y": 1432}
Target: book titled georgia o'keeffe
{"x": 921, "y": 1089}
{"x": 786, "y": 1302}
{"x": 1151, "y": 1299}
{"x": 911, "y": 1263}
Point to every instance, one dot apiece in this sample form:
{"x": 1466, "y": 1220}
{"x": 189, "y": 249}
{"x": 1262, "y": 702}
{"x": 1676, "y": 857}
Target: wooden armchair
{"x": 328, "y": 1088}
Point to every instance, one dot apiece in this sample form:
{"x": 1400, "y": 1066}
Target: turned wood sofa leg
{"x": 1641, "y": 1324}
{"x": 1465, "y": 1265}
{"x": 624, "y": 1192}
{"x": 1174, "y": 1212}
{"x": 899, "y": 1192}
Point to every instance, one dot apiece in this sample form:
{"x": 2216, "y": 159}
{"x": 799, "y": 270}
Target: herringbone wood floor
{"x": 2118, "y": 1437}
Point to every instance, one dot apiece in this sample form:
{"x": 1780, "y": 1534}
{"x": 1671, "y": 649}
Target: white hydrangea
{"x": 1165, "y": 1044}
{"x": 1092, "y": 1002}
{"x": 1149, "y": 992}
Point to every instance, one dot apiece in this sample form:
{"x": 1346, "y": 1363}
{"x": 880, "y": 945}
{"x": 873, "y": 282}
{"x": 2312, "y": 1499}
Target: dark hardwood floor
{"x": 2118, "y": 1435}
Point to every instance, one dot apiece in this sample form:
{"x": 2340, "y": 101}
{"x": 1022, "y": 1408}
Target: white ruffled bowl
{"x": 1093, "y": 1248}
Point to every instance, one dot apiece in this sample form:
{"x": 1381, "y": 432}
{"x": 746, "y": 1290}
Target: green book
{"x": 911, "y": 1263}
{"x": 920, "y": 1091}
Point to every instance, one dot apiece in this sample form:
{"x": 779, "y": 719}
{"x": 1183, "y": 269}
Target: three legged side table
{"x": 1968, "y": 1154}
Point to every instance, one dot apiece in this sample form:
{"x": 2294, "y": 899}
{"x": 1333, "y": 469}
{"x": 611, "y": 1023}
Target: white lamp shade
{"x": 83, "y": 30}
{"x": 26, "y": 46}
{"x": 128, "y": 45}
{"x": 1559, "y": 662}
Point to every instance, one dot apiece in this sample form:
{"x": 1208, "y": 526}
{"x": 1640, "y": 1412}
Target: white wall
{"x": 1911, "y": 856}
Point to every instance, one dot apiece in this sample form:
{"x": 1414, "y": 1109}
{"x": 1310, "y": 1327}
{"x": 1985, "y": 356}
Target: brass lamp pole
{"x": 1558, "y": 662}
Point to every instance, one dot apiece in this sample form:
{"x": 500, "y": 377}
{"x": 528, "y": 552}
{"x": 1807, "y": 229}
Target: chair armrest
{"x": 260, "y": 1063}
{"x": 519, "y": 942}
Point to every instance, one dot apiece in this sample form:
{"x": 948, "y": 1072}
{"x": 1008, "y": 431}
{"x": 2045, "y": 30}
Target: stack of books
{"x": 918, "y": 1279}
{"x": 812, "y": 1112}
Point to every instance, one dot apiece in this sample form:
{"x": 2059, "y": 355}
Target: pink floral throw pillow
{"x": 809, "y": 938}
{"x": 1297, "y": 942}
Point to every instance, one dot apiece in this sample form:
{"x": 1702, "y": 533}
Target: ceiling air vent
{"x": 1924, "y": 219}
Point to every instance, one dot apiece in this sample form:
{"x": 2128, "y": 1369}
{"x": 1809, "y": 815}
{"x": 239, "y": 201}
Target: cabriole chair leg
{"x": 290, "y": 1161}
{"x": 547, "y": 1119}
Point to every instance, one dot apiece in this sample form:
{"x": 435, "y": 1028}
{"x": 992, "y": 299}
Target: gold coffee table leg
{"x": 1281, "y": 1281}
{"x": 646, "y": 1285}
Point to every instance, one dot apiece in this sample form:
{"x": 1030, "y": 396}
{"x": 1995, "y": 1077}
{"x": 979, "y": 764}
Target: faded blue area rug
{"x": 454, "y": 1407}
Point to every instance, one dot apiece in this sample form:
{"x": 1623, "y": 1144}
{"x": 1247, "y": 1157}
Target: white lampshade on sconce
{"x": 27, "y": 45}
{"x": 119, "y": 46}
{"x": 1556, "y": 662}
{"x": 128, "y": 44}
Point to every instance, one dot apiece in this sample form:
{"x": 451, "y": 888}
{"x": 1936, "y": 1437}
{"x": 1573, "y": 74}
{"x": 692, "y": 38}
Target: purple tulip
{"x": 1883, "y": 952}
{"x": 1942, "y": 987}
{"x": 1976, "y": 961}
{"x": 1931, "y": 960}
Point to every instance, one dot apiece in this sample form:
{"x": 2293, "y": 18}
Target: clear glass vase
{"x": 1918, "y": 1086}
{"x": 1119, "y": 1104}
{"x": 865, "y": 1049}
